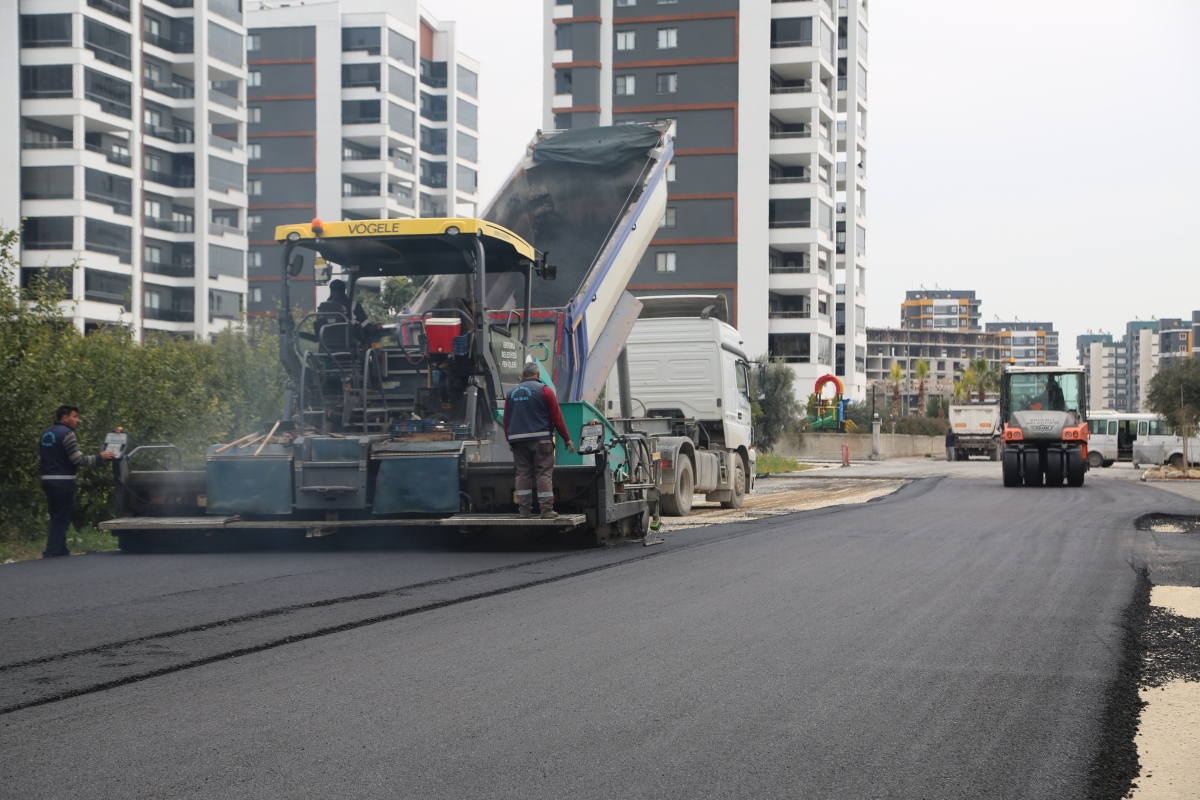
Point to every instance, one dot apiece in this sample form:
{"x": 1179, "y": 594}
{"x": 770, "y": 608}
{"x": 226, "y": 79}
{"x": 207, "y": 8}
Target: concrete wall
{"x": 828, "y": 446}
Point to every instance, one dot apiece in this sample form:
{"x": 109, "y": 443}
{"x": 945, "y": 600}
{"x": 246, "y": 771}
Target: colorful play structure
{"x": 830, "y": 412}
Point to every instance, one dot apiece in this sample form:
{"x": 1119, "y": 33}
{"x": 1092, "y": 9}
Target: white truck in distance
{"x": 689, "y": 386}
{"x": 976, "y": 429}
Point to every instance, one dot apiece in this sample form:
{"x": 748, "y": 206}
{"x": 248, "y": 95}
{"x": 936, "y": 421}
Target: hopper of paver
{"x": 592, "y": 200}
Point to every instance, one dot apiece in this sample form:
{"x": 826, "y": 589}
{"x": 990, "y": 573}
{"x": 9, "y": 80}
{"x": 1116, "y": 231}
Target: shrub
{"x": 167, "y": 391}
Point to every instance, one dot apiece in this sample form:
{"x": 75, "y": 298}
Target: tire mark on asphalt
{"x": 909, "y": 491}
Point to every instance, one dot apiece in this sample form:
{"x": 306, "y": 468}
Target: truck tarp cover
{"x": 568, "y": 204}
{"x": 596, "y": 147}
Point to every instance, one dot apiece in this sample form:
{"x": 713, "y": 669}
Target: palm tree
{"x": 964, "y": 384}
{"x": 897, "y": 378}
{"x": 986, "y": 378}
{"x": 922, "y": 375}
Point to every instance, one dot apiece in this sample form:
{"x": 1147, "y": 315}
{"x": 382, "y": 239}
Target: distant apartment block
{"x": 359, "y": 109}
{"x": 1026, "y": 344}
{"x": 131, "y": 147}
{"x": 940, "y": 308}
{"x": 768, "y": 187}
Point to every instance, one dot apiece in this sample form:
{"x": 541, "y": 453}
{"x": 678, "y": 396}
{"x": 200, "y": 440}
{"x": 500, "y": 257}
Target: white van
{"x": 1137, "y": 439}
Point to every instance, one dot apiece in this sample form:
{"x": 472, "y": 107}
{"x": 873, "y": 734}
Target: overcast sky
{"x": 1041, "y": 152}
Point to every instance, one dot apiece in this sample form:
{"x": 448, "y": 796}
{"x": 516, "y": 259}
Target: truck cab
{"x": 689, "y": 384}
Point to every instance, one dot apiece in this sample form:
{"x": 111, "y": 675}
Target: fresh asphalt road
{"x": 955, "y": 639}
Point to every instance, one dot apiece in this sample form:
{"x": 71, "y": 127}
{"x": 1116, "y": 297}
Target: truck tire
{"x": 1011, "y": 468}
{"x": 994, "y": 454}
{"x": 737, "y": 487}
{"x": 1096, "y": 460}
{"x": 1054, "y": 468}
{"x": 679, "y": 504}
{"x": 1177, "y": 461}
{"x": 1033, "y": 468}
{"x": 1074, "y": 468}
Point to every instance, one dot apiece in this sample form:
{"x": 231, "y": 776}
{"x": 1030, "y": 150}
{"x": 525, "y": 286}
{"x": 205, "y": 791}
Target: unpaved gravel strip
{"x": 1168, "y": 738}
{"x": 784, "y": 496}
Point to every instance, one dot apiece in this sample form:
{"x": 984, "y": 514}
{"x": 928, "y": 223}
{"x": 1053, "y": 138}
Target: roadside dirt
{"x": 776, "y": 496}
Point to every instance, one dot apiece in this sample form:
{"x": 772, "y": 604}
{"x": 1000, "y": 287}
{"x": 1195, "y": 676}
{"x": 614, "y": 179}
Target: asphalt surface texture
{"x": 953, "y": 639}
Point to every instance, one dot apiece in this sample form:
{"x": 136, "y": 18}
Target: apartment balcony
{"x": 116, "y": 8}
{"x": 111, "y": 156}
{"x": 172, "y": 46}
{"x": 170, "y": 270}
{"x": 793, "y": 190}
{"x": 798, "y": 322}
{"x": 222, "y": 143}
{"x": 177, "y": 134}
{"x": 184, "y": 225}
{"x": 790, "y": 98}
{"x": 788, "y": 143}
{"x": 795, "y": 282}
{"x": 170, "y": 314}
{"x": 167, "y": 179}
{"x": 221, "y": 229}
{"x": 175, "y": 91}
{"x": 222, "y": 99}
{"x": 362, "y": 167}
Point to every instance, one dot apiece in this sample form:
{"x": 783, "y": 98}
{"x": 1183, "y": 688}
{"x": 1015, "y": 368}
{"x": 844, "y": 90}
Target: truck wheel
{"x": 737, "y": 488}
{"x": 680, "y": 503}
{"x": 1054, "y": 468}
{"x": 1095, "y": 460}
{"x": 994, "y": 455}
{"x": 1107, "y": 463}
{"x": 1177, "y": 461}
{"x": 1033, "y": 468}
{"x": 1074, "y": 468}
{"x": 1011, "y": 468}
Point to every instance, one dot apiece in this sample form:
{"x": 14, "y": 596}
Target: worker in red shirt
{"x": 531, "y": 416}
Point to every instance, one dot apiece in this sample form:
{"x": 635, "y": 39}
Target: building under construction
{"x": 948, "y": 352}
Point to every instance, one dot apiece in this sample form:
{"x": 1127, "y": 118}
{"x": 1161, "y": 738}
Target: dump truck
{"x": 976, "y": 429}
{"x": 1043, "y": 411}
{"x": 689, "y": 389}
{"x": 402, "y": 426}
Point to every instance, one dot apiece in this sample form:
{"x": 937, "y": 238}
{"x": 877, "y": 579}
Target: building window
{"x": 667, "y": 83}
{"x": 253, "y": 43}
{"x": 254, "y": 222}
{"x": 668, "y": 38}
{"x": 626, "y": 40}
{"x": 256, "y": 294}
{"x": 254, "y": 78}
{"x": 626, "y": 84}
{"x": 254, "y": 151}
{"x": 671, "y": 172}
{"x": 668, "y": 220}
{"x": 254, "y": 188}
{"x": 563, "y": 39}
{"x": 254, "y": 115}
{"x": 668, "y": 2}
{"x": 665, "y": 262}
{"x": 254, "y": 258}
{"x": 153, "y": 209}
{"x": 626, "y": 3}
{"x": 365, "y": 39}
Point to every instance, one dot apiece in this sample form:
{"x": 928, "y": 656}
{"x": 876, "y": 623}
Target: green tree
{"x": 394, "y": 296}
{"x": 780, "y": 410}
{"x": 897, "y": 377}
{"x": 922, "y": 376}
{"x": 1175, "y": 393}
{"x": 167, "y": 391}
{"x": 985, "y": 380}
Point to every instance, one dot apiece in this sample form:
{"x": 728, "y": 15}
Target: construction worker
{"x": 531, "y": 416}
{"x": 60, "y": 459}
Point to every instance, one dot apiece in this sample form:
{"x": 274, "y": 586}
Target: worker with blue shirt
{"x": 531, "y": 416}
{"x": 60, "y": 460}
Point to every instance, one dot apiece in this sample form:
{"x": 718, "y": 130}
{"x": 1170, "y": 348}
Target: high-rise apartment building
{"x": 358, "y": 109}
{"x": 1026, "y": 344}
{"x": 940, "y": 308}
{"x": 767, "y": 190}
{"x": 131, "y": 139}
{"x": 1179, "y": 338}
{"x": 948, "y": 351}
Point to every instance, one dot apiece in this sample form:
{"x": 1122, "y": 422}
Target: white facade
{"x": 132, "y": 132}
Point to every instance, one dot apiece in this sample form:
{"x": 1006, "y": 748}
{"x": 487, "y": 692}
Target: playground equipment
{"x": 830, "y": 412}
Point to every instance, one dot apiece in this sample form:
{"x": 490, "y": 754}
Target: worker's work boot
{"x": 549, "y": 513}
{"x": 526, "y": 511}
{"x": 546, "y": 503}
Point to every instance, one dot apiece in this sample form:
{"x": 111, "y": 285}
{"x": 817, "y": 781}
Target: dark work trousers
{"x": 535, "y": 464}
{"x": 60, "y": 495}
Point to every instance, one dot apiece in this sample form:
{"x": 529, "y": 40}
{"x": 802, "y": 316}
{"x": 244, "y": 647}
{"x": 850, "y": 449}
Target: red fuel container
{"x": 440, "y": 333}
